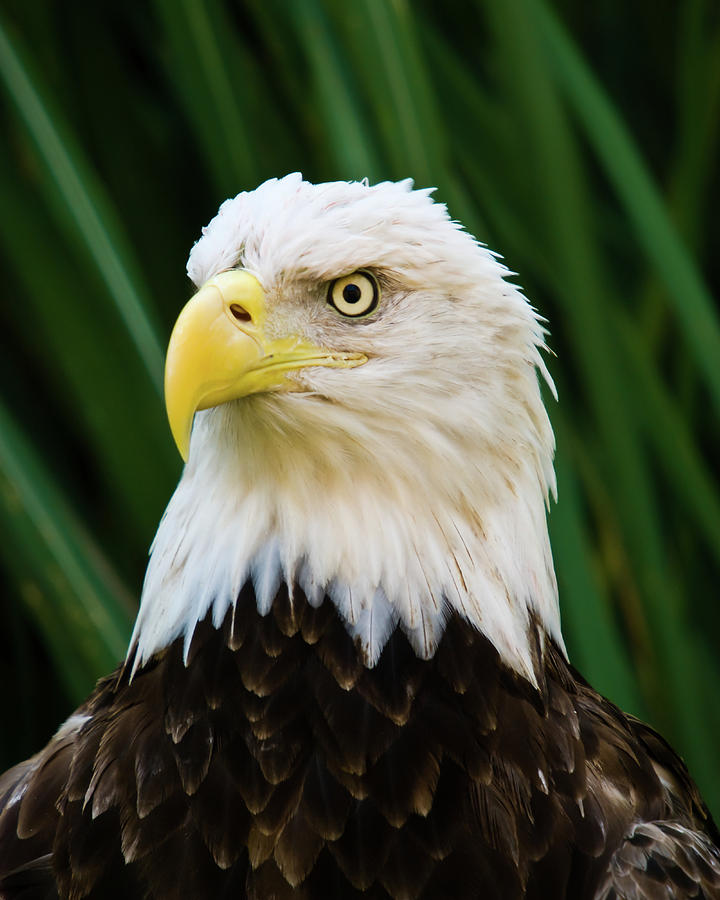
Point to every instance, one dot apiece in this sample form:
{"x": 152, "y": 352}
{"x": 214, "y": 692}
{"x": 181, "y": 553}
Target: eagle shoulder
{"x": 663, "y": 859}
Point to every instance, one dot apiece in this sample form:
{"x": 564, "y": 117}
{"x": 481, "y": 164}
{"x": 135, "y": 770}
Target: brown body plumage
{"x": 276, "y": 765}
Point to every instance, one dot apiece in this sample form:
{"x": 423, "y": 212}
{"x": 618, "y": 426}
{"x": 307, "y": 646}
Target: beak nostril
{"x": 240, "y": 313}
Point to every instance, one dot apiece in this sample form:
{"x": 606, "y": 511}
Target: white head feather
{"x": 403, "y": 489}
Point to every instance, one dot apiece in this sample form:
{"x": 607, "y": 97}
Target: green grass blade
{"x": 697, "y": 105}
{"x": 348, "y": 135}
{"x": 82, "y": 608}
{"x": 691, "y": 300}
{"x": 203, "y": 69}
{"x": 591, "y": 632}
{"x": 75, "y": 343}
{"x": 82, "y": 195}
{"x": 395, "y": 82}
{"x": 390, "y": 65}
{"x": 695, "y": 487}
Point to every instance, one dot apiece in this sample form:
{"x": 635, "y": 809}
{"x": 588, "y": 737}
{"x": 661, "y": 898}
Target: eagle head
{"x": 355, "y": 390}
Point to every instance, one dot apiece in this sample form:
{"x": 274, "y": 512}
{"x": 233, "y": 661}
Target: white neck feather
{"x": 390, "y": 539}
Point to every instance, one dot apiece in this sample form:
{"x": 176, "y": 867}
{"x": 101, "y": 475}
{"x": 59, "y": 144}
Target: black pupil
{"x": 351, "y": 293}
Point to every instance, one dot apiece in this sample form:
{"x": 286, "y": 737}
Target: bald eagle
{"x": 347, "y": 677}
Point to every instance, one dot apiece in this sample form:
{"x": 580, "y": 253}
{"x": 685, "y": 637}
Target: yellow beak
{"x": 218, "y": 352}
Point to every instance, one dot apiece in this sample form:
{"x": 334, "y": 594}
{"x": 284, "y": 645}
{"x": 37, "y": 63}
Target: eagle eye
{"x": 354, "y": 295}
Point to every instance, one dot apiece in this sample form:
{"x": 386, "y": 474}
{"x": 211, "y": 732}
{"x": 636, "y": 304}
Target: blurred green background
{"x": 580, "y": 140}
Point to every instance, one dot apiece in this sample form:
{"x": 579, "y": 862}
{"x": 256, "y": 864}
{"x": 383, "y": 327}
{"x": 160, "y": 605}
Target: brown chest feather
{"x": 274, "y": 764}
